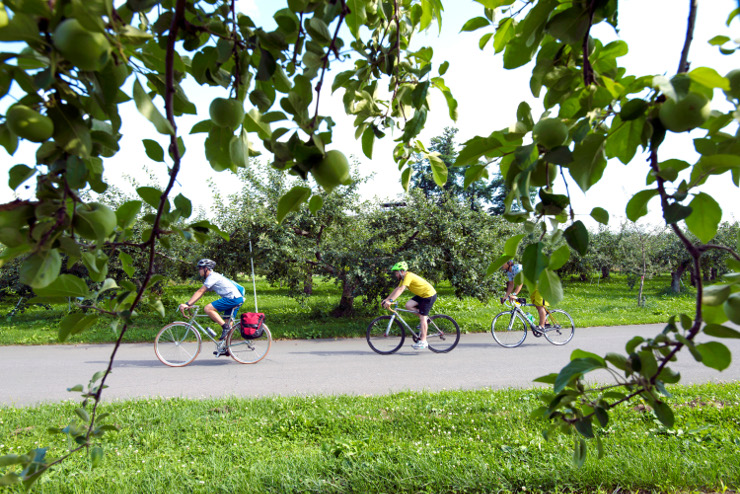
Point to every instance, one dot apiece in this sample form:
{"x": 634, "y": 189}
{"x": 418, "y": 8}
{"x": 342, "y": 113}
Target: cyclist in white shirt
{"x": 229, "y": 292}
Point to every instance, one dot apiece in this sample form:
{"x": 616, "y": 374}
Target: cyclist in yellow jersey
{"x": 424, "y": 297}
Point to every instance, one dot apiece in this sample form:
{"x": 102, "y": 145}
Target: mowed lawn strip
{"x": 596, "y": 303}
{"x": 478, "y": 441}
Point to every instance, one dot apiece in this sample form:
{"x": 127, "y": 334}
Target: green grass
{"x": 472, "y": 441}
{"x": 598, "y": 303}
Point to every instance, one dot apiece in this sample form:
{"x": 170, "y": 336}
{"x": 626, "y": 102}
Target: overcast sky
{"x": 487, "y": 95}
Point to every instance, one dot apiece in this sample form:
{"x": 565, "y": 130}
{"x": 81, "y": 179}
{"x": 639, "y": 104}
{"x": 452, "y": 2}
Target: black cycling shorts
{"x": 424, "y": 304}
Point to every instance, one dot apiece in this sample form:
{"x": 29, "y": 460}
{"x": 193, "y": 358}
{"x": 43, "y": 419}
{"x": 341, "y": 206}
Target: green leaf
{"x": 475, "y": 148}
{"x": 183, "y": 205}
{"x": 153, "y": 150}
{"x": 601, "y": 215}
{"x": 368, "y": 139}
{"x": 66, "y": 285}
{"x": 315, "y": 204}
{"x": 150, "y": 195}
{"x": 664, "y": 413}
{"x": 578, "y": 353}
{"x": 534, "y": 261}
{"x": 585, "y": 428}
{"x": 617, "y": 360}
{"x": 73, "y": 324}
{"x": 504, "y": 32}
{"x": 475, "y": 173}
{"x": 714, "y": 355}
{"x": 84, "y": 416}
{"x": 589, "y": 161}
{"x": 439, "y": 169}
{"x": 254, "y": 122}
{"x": 146, "y": 107}
{"x": 705, "y": 217}
{"x": 292, "y": 201}
{"x": 496, "y": 265}
{"x": 512, "y": 245}
{"x": 239, "y": 149}
{"x": 577, "y": 237}
{"x": 40, "y": 269}
{"x": 637, "y": 206}
{"x": 675, "y": 212}
{"x": 710, "y": 78}
{"x": 624, "y": 139}
{"x": 127, "y": 263}
{"x": 550, "y": 286}
{"x": 96, "y": 456}
{"x": 19, "y": 174}
{"x": 126, "y": 213}
{"x": 633, "y": 109}
{"x": 575, "y": 369}
{"x": 475, "y": 23}
{"x": 547, "y": 379}
{"x": 559, "y": 258}
{"x": 719, "y": 331}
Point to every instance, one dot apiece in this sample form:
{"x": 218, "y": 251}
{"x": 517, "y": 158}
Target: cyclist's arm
{"x": 196, "y": 296}
{"x": 394, "y": 295}
{"x": 510, "y": 288}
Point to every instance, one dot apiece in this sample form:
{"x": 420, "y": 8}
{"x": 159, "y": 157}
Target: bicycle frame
{"x": 192, "y": 321}
{"x": 416, "y": 336}
{"x": 517, "y": 307}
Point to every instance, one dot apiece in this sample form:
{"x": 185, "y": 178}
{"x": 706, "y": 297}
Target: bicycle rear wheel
{"x": 560, "y": 327}
{"x": 385, "y": 335}
{"x": 249, "y": 351}
{"x": 509, "y": 329}
{"x": 177, "y": 344}
{"x": 443, "y": 333}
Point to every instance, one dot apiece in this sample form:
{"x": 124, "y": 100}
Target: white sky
{"x": 487, "y": 95}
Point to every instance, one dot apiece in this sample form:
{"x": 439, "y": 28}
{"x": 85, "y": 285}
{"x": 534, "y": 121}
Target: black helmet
{"x": 207, "y": 263}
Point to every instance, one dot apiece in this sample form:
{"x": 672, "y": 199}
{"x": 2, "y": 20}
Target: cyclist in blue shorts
{"x": 230, "y": 293}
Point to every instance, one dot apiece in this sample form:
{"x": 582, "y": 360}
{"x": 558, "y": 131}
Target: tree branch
{"x": 683, "y": 65}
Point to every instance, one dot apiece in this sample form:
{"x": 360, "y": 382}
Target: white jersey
{"x": 224, "y": 287}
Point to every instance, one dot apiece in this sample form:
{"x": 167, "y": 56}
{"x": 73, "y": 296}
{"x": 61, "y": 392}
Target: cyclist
{"x": 424, "y": 297}
{"x": 511, "y": 269}
{"x": 232, "y": 295}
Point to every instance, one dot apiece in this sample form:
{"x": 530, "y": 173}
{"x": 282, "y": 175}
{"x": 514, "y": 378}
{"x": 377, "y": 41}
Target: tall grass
{"x": 465, "y": 441}
{"x": 595, "y": 303}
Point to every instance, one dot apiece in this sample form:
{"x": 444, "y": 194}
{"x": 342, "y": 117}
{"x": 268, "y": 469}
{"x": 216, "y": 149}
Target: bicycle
{"x": 386, "y": 334}
{"x": 509, "y": 328}
{"x": 178, "y": 344}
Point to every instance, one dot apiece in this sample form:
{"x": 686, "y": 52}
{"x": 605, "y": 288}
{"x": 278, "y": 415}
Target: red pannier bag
{"x": 251, "y": 325}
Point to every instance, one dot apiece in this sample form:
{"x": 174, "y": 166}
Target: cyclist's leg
{"x": 424, "y": 305}
{"x": 225, "y": 306}
{"x": 540, "y": 304}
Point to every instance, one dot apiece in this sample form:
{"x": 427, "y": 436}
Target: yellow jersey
{"x": 418, "y": 285}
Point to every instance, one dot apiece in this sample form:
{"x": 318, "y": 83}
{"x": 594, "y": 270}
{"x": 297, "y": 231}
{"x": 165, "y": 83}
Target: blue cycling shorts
{"x": 226, "y": 305}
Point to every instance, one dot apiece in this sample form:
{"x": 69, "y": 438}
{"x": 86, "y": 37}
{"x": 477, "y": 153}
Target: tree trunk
{"x": 604, "y": 272}
{"x": 640, "y": 300}
{"x": 346, "y": 303}
{"x": 676, "y": 277}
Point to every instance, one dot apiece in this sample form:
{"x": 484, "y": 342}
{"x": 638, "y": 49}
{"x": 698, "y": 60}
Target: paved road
{"x": 33, "y": 374}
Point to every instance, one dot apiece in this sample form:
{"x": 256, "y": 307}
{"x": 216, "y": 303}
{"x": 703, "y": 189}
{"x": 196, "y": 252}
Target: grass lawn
{"x": 596, "y": 303}
{"x": 473, "y": 441}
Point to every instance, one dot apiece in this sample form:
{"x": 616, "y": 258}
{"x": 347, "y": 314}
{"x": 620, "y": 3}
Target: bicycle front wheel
{"x": 509, "y": 329}
{"x": 249, "y": 351}
{"x": 559, "y": 328}
{"x": 443, "y": 333}
{"x": 385, "y": 335}
{"x": 177, "y": 344}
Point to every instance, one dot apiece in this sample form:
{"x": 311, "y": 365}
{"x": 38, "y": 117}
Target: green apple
{"x": 734, "y": 77}
{"x": 85, "y": 49}
{"x": 685, "y": 114}
{"x": 550, "y": 133}
{"x": 226, "y": 112}
{"x": 29, "y": 124}
{"x": 332, "y": 170}
{"x": 94, "y": 221}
